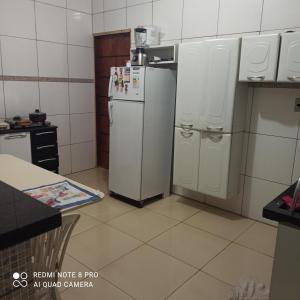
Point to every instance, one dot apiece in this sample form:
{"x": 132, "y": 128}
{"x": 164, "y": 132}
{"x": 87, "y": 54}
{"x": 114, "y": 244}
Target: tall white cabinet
{"x": 210, "y": 116}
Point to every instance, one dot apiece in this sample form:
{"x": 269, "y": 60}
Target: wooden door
{"x": 110, "y": 50}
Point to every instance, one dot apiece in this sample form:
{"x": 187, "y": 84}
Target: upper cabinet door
{"x": 217, "y": 90}
{"x": 190, "y": 76}
{"x": 259, "y": 58}
{"x": 289, "y": 63}
{"x": 186, "y": 158}
{"x": 214, "y": 164}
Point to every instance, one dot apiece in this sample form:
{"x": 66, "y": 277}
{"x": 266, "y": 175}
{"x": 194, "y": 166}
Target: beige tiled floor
{"x": 173, "y": 248}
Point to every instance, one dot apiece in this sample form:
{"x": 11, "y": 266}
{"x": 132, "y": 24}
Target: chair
{"x": 48, "y": 251}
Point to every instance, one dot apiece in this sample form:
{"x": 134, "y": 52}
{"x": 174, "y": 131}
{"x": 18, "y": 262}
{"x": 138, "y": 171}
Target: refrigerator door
{"x": 127, "y": 83}
{"x": 125, "y": 158}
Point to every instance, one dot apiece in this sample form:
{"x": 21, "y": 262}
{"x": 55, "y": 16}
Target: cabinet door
{"x": 190, "y": 75}
{"x": 259, "y": 58}
{"x": 214, "y": 164}
{"x": 289, "y": 62}
{"x": 186, "y": 158}
{"x": 16, "y": 144}
{"x": 218, "y": 87}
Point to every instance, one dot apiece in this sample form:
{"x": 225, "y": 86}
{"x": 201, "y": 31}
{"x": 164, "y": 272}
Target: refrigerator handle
{"x": 110, "y": 92}
{"x": 110, "y": 112}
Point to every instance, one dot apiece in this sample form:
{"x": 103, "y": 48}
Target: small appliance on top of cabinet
{"x": 210, "y": 114}
{"x": 141, "y": 114}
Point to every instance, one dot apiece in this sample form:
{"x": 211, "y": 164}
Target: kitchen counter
{"x": 22, "y": 218}
{"x": 286, "y": 267}
{"x": 26, "y": 129}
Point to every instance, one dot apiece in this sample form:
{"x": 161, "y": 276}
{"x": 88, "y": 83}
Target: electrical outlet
{"x": 297, "y": 105}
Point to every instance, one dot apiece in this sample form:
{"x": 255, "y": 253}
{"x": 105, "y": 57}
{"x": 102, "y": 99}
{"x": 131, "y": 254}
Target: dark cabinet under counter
{"x": 43, "y": 146}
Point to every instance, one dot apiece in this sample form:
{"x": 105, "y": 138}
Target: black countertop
{"x": 27, "y": 129}
{"x": 278, "y": 211}
{"x": 22, "y": 217}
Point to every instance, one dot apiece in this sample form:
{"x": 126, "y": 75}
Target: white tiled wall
{"x": 51, "y": 38}
{"x": 271, "y": 156}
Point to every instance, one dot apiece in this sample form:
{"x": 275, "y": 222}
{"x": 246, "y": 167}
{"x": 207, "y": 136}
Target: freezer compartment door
{"x": 125, "y": 157}
{"x": 214, "y": 164}
{"x": 127, "y": 83}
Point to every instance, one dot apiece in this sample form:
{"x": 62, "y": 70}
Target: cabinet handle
{"x": 16, "y": 136}
{"x": 186, "y": 134}
{"x": 261, "y": 77}
{"x": 217, "y": 129}
{"x": 48, "y": 159}
{"x": 186, "y": 126}
{"x": 293, "y": 78}
{"x": 44, "y": 147}
{"x": 46, "y": 132}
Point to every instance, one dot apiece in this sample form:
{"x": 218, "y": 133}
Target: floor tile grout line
{"x": 253, "y": 249}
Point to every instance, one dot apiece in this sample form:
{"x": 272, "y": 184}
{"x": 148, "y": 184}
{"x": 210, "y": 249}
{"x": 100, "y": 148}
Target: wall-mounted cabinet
{"x": 289, "y": 63}
{"x": 259, "y": 58}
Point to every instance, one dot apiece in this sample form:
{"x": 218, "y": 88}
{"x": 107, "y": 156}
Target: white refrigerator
{"x": 141, "y": 115}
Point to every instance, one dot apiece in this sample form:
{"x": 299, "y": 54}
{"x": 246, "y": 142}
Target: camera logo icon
{"x": 20, "y": 279}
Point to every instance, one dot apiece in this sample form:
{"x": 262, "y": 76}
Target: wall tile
{"x": 200, "y": 18}
{"x": 82, "y": 98}
{"x": 64, "y": 153}
{"x": 21, "y": 98}
{"x": 296, "y": 170}
{"x": 271, "y": 158}
{"x": 52, "y": 59}
{"x": 273, "y": 112}
{"x": 139, "y": 15}
{"x": 17, "y": 18}
{"x": 62, "y": 3}
{"x": 280, "y": 14}
{"x": 115, "y": 20}
{"x": 98, "y": 23}
{"x": 54, "y": 98}
{"x": 259, "y": 193}
{"x": 63, "y": 130}
{"x": 167, "y": 14}
{"x": 83, "y": 128}
{"x": 244, "y": 153}
{"x": 81, "y": 62}
{"x": 2, "y": 107}
{"x": 80, "y": 29}
{"x": 19, "y": 56}
{"x": 114, "y": 4}
{"x": 80, "y": 5}
{"x": 98, "y": 6}
{"x": 239, "y": 16}
{"x": 83, "y": 156}
{"x": 136, "y": 2}
{"x": 51, "y": 23}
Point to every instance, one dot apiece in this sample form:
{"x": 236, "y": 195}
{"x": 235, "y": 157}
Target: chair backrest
{"x": 48, "y": 249}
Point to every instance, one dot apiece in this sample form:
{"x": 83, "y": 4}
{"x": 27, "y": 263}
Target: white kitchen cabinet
{"x": 190, "y": 74}
{"x": 214, "y": 164}
{"x": 289, "y": 63}
{"x": 259, "y": 58}
{"x": 16, "y": 144}
{"x": 217, "y": 90}
{"x": 186, "y": 158}
{"x": 207, "y": 84}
